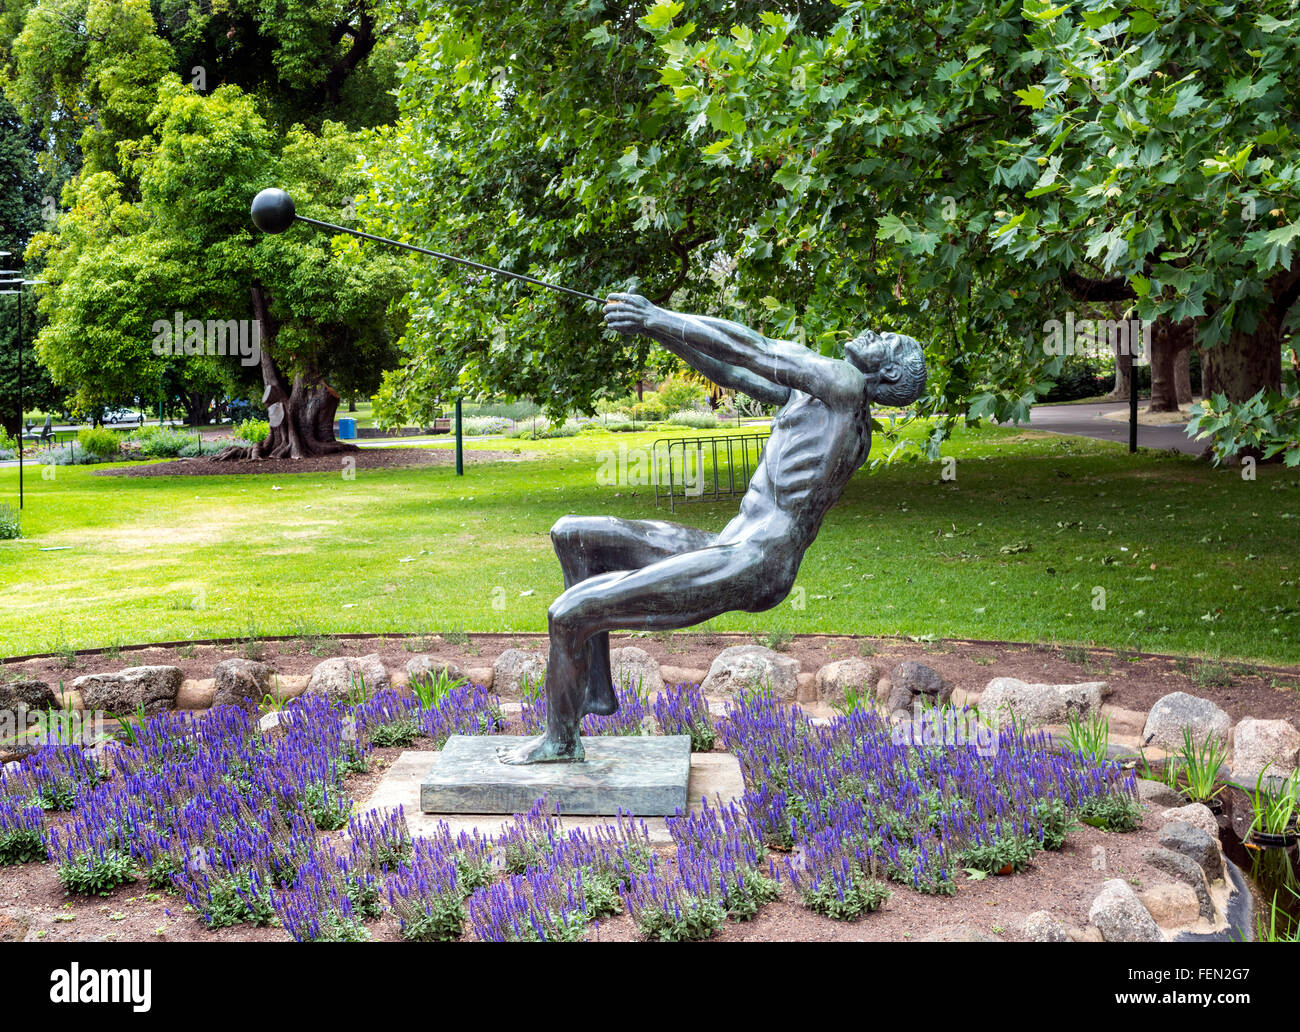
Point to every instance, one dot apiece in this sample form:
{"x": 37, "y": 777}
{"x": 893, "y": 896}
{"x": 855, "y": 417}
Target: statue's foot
{"x": 545, "y": 750}
{"x": 601, "y": 699}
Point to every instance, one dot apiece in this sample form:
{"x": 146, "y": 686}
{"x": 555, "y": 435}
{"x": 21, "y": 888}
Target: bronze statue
{"x": 653, "y": 575}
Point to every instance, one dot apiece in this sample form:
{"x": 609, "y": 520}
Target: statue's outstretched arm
{"x": 732, "y": 345}
{"x": 733, "y": 377}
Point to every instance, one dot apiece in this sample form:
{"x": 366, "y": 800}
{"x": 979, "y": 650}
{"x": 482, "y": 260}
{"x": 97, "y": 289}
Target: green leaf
{"x": 660, "y": 15}
{"x": 892, "y": 228}
{"x": 1034, "y": 97}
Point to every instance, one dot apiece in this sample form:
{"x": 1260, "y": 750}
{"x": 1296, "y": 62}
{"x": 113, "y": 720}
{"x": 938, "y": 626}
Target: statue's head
{"x": 892, "y": 363}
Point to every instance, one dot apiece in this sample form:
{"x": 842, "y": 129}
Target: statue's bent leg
{"x": 676, "y": 592}
{"x": 591, "y": 545}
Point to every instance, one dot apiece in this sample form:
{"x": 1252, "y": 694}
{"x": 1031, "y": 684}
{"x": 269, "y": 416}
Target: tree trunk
{"x": 1209, "y": 383}
{"x": 196, "y": 407}
{"x": 301, "y": 415}
{"x": 1250, "y": 362}
{"x": 1170, "y": 344}
{"x": 1183, "y": 377}
{"x": 1123, "y": 376}
{"x": 352, "y": 404}
{"x": 1163, "y": 396}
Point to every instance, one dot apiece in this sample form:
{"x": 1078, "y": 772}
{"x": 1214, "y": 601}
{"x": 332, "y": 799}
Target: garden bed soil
{"x": 1136, "y": 681}
{"x": 363, "y": 458}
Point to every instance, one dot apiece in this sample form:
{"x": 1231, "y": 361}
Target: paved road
{"x": 1088, "y": 421}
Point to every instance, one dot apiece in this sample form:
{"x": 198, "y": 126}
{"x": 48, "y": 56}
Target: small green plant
{"x": 254, "y": 431}
{"x": 695, "y": 919}
{"x": 862, "y": 896}
{"x": 22, "y": 846}
{"x": 129, "y": 732}
{"x": 855, "y": 698}
{"x": 1117, "y": 811}
{"x": 441, "y": 918}
{"x": 327, "y": 806}
{"x": 1275, "y": 811}
{"x": 776, "y": 639}
{"x": 1090, "y": 736}
{"x": 866, "y": 647}
{"x": 1198, "y": 765}
{"x": 1009, "y": 852}
{"x": 431, "y": 688}
{"x": 458, "y": 637}
{"x": 96, "y": 874}
{"x": 273, "y": 701}
{"x": 11, "y": 525}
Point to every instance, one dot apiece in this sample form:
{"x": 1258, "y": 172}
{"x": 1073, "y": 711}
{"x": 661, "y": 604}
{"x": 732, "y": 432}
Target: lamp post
{"x": 17, "y": 285}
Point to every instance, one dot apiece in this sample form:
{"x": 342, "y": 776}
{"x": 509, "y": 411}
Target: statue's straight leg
{"x": 591, "y": 545}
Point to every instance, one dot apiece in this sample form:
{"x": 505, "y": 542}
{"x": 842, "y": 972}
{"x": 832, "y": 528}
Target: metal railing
{"x": 727, "y": 461}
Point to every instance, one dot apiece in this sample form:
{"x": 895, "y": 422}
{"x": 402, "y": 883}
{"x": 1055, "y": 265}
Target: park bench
{"x": 442, "y": 425}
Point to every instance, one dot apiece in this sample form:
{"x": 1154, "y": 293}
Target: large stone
{"x": 1120, "y": 915}
{"x": 743, "y": 667}
{"x": 14, "y": 924}
{"x": 1039, "y": 704}
{"x": 1194, "y": 843}
{"x": 1042, "y": 926}
{"x": 517, "y": 672}
{"x": 633, "y": 775}
{"x": 1196, "y": 814}
{"x": 636, "y": 669}
{"x": 854, "y": 673}
{"x": 427, "y": 668}
{"x": 1177, "y": 710}
{"x": 913, "y": 682}
{"x": 1257, "y": 744}
{"x": 27, "y": 694}
{"x": 1157, "y": 793}
{"x": 342, "y": 677}
{"x": 152, "y": 687}
{"x": 1172, "y": 904}
{"x": 1187, "y": 871}
{"x": 241, "y": 681}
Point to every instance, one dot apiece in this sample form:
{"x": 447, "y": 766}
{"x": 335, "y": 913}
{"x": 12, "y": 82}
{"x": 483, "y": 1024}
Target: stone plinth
{"x": 641, "y": 776}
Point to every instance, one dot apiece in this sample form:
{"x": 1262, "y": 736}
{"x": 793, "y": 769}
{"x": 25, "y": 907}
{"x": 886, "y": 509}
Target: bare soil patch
{"x": 364, "y": 458}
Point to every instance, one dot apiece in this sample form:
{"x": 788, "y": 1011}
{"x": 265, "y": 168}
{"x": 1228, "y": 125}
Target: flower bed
{"x": 235, "y": 821}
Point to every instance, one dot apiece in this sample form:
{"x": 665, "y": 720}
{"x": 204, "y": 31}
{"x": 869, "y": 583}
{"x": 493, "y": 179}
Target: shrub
{"x": 478, "y": 426}
{"x": 649, "y": 411}
{"x": 254, "y": 431}
{"x": 194, "y": 449}
{"x": 676, "y": 393}
{"x": 98, "y": 441}
{"x": 10, "y": 522}
{"x": 698, "y": 420}
{"x": 160, "y": 442}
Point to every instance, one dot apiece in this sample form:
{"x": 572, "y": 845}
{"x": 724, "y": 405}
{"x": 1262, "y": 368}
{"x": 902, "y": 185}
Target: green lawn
{"x": 1191, "y": 559}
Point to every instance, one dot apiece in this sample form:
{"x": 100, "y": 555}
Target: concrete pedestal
{"x": 640, "y": 776}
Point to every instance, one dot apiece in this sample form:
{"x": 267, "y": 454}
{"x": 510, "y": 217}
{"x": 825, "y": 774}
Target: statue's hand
{"x": 629, "y": 313}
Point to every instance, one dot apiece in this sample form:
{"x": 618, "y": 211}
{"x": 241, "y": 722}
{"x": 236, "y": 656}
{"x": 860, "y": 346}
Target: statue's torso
{"x": 811, "y": 454}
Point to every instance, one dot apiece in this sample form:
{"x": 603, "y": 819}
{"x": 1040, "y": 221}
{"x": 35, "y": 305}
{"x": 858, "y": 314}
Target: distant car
{"x": 121, "y": 415}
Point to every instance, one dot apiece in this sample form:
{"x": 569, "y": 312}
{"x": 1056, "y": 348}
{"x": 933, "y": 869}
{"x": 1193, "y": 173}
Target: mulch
{"x": 364, "y": 458}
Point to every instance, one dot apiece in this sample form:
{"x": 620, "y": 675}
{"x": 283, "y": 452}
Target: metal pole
{"x": 460, "y": 444}
{"x": 1132, "y": 407}
{"x": 20, "y": 397}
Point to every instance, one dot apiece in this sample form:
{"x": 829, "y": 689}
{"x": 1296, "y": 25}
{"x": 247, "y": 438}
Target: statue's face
{"x": 873, "y": 355}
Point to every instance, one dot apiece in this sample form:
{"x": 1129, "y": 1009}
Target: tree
{"x": 22, "y": 186}
{"x": 1011, "y": 160}
{"x": 157, "y": 218}
{"x": 124, "y": 273}
{"x": 530, "y": 138}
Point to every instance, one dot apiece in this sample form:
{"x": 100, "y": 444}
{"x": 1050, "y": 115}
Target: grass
{"x": 1039, "y": 538}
